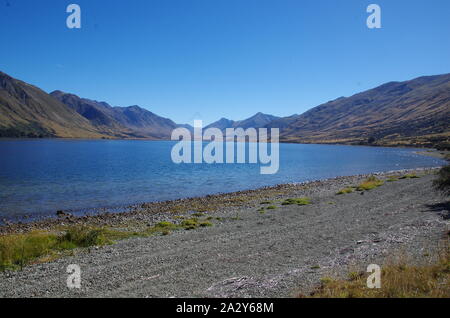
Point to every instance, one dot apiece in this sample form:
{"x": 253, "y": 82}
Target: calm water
{"x": 39, "y": 177}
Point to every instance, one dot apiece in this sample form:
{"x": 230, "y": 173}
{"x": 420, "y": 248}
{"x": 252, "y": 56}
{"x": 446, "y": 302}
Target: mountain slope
{"x": 222, "y": 124}
{"x": 144, "y": 121}
{"x": 132, "y": 121}
{"x": 98, "y": 113}
{"x": 415, "y": 111}
{"x": 27, "y": 111}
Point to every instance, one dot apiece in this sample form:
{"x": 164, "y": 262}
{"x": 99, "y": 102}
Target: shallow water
{"x": 39, "y": 177}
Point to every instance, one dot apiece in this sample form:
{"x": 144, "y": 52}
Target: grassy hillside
{"x": 415, "y": 112}
{"x": 123, "y": 122}
{"x": 27, "y": 111}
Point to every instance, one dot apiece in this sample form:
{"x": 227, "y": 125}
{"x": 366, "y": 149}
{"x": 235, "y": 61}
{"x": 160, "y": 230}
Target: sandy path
{"x": 275, "y": 254}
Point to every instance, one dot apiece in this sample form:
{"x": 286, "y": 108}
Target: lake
{"x": 39, "y": 177}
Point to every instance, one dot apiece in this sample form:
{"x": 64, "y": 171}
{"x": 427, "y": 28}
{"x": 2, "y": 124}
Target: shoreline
{"x": 398, "y": 145}
{"x": 255, "y": 245}
{"x": 159, "y": 210}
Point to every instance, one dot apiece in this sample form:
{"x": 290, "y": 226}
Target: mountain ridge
{"x": 413, "y": 112}
{"x": 134, "y": 121}
{"x": 259, "y": 120}
{"x": 27, "y": 111}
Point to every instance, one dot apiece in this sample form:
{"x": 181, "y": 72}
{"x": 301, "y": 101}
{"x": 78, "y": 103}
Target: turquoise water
{"x": 39, "y": 177}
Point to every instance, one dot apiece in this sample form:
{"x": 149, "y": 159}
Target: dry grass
{"x": 19, "y": 250}
{"x": 369, "y": 184}
{"x": 398, "y": 280}
{"x": 392, "y": 179}
{"x": 346, "y": 190}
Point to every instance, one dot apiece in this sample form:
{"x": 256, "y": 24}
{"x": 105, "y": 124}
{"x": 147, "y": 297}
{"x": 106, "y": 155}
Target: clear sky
{"x": 207, "y": 59}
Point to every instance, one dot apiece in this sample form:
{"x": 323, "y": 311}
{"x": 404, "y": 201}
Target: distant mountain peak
{"x": 258, "y": 120}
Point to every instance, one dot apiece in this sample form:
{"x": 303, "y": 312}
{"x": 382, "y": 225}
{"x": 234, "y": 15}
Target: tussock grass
{"x": 346, "y": 190}
{"x": 81, "y": 236}
{"x": 392, "y": 179}
{"x": 369, "y": 184}
{"x": 398, "y": 280}
{"x": 18, "y": 250}
{"x": 298, "y": 201}
{"x": 271, "y": 207}
{"x": 193, "y": 223}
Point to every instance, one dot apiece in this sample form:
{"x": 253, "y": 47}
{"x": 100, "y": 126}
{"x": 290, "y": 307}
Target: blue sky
{"x": 207, "y": 59}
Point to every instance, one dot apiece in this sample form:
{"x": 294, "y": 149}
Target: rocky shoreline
{"x": 279, "y": 251}
{"x": 148, "y": 213}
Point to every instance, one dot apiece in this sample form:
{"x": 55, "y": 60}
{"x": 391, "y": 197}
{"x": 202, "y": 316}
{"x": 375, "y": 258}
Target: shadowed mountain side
{"x": 132, "y": 121}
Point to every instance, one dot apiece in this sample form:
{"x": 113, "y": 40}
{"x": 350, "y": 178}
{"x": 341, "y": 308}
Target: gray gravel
{"x": 248, "y": 254}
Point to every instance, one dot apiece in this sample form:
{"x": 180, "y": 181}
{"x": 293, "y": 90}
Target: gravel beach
{"x": 281, "y": 252}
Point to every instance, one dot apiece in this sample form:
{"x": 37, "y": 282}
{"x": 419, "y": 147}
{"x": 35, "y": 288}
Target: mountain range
{"x": 122, "y": 122}
{"x": 258, "y": 120}
{"x": 415, "y": 112}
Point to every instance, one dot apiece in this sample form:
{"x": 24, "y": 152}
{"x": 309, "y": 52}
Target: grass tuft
{"x": 19, "y": 250}
{"x": 298, "y": 201}
{"x": 397, "y": 281}
{"x": 369, "y": 184}
{"x": 346, "y": 190}
{"x": 82, "y": 236}
{"x": 392, "y": 179}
